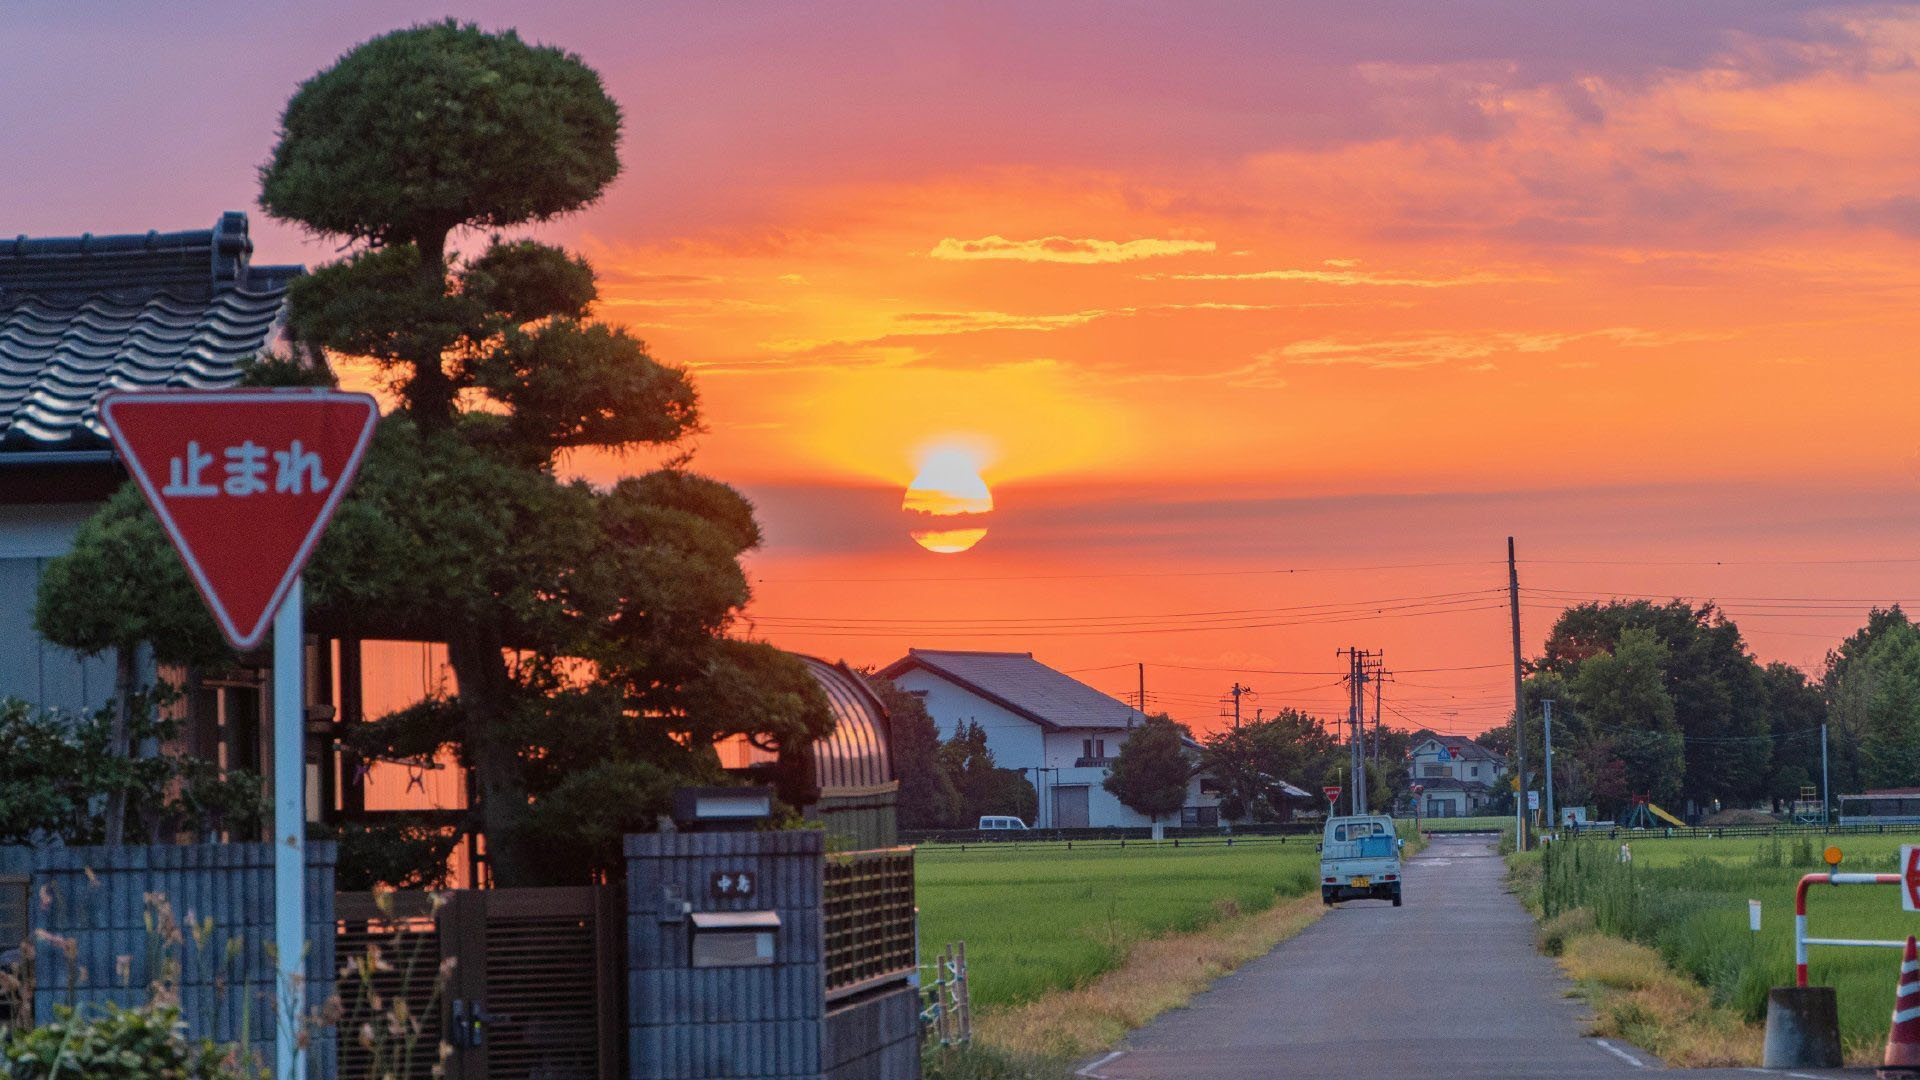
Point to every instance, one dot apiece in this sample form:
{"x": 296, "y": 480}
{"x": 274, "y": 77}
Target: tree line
{"x": 1664, "y": 701}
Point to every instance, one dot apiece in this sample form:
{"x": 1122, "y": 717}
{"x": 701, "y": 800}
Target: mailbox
{"x": 733, "y": 938}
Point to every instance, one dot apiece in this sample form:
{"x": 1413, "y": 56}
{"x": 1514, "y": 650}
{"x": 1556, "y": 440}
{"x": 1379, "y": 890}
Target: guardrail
{"x": 1800, "y": 938}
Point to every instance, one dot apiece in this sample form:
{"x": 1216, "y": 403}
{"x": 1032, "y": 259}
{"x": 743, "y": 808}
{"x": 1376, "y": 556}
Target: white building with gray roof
{"x": 1061, "y": 732}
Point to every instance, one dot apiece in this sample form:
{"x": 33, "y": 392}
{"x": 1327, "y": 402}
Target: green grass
{"x": 1040, "y": 918}
{"x": 1688, "y": 899}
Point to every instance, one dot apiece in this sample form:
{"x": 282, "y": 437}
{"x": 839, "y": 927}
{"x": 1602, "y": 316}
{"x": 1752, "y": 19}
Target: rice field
{"x": 1688, "y": 900}
{"x": 1039, "y": 917}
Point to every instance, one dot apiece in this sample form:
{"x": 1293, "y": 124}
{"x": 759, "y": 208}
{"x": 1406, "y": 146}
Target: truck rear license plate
{"x": 1360, "y": 882}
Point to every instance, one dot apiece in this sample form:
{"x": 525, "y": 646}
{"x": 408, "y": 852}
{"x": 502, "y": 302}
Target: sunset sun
{"x": 948, "y": 502}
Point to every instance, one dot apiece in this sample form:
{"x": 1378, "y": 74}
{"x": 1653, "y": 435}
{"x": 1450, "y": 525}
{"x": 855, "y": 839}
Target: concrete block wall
{"x": 96, "y": 896}
{"x": 687, "y": 1023}
{"x": 875, "y": 1038}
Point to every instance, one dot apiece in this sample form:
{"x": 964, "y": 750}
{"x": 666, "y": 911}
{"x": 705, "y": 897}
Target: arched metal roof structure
{"x": 858, "y": 756}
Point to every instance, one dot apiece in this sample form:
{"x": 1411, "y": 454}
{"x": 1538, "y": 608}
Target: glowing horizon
{"x": 1222, "y": 289}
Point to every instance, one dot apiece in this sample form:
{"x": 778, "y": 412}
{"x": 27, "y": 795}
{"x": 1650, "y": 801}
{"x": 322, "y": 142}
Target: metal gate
{"x": 533, "y": 991}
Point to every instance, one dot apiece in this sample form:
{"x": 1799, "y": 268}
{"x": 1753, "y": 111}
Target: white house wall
{"x": 1015, "y": 741}
{"x": 1019, "y": 743}
{"x": 31, "y": 669}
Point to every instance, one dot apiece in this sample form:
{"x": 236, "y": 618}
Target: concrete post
{"x": 1803, "y": 1028}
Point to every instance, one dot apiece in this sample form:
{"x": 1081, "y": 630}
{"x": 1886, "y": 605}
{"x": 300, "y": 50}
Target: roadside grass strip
{"x": 1158, "y": 974}
{"x": 1662, "y": 949}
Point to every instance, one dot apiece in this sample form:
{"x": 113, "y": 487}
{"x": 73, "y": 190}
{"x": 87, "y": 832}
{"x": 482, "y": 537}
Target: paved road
{"x": 1448, "y": 985}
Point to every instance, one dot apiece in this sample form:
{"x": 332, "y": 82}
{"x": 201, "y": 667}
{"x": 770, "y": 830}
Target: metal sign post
{"x": 290, "y": 833}
{"x": 244, "y": 483}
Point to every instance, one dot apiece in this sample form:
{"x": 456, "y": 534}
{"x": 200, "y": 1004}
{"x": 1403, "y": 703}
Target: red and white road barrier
{"x": 1800, "y": 938}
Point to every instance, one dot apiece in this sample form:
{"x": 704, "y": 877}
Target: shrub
{"x": 148, "y": 1043}
{"x": 1564, "y": 927}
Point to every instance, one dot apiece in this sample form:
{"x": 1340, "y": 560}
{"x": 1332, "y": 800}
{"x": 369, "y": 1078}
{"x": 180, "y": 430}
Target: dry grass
{"x": 1636, "y": 997}
{"x": 1159, "y": 974}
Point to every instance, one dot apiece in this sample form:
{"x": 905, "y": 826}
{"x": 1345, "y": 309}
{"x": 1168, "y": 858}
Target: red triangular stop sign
{"x": 244, "y": 481}
{"x": 1332, "y": 792}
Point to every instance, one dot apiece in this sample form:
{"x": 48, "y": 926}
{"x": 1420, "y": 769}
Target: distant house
{"x": 79, "y": 316}
{"x": 1058, "y": 730}
{"x": 1455, "y": 774}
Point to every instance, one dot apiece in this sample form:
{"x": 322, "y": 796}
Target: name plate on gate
{"x": 732, "y": 884}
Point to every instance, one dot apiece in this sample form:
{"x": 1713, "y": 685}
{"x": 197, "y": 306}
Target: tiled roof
{"x": 81, "y": 315}
{"x": 1018, "y": 682}
{"x": 1463, "y": 747}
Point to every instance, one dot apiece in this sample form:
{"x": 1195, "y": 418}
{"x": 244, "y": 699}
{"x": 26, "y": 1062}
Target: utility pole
{"x": 1547, "y": 731}
{"x": 1143, "y": 689}
{"x": 1238, "y": 691}
{"x": 1826, "y": 800}
{"x": 1358, "y": 673}
{"x": 1379, "y": 677}
{"x": 1519, "y": 711}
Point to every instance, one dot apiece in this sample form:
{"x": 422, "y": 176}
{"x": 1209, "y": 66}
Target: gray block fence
{"x": 717, "y": 1023}
{"x": 99, "y": 898}
{"x": 875, "y": 1038}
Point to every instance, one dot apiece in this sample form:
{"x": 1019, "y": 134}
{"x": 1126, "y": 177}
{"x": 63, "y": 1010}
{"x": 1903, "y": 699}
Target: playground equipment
{"x": 1643, "y": 814}
{"x": 1806, "y": 810}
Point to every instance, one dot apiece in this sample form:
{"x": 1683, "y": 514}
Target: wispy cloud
{"x": 1427, "y": 350}
{"x": 919, "y": 324}
{"x": 1346, "y": 277}
{"x": 1061, "y": 249}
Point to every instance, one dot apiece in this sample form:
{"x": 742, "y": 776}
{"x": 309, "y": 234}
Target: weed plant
{"x": 1687, "y": 900}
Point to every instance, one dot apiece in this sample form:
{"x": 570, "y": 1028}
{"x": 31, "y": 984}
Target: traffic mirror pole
{"x": 290, "y": 834}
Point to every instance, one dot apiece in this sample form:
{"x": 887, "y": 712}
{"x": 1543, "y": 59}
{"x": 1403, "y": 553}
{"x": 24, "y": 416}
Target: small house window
{"x": 1093, "y": 748}
{"x": 1433, "y": 770}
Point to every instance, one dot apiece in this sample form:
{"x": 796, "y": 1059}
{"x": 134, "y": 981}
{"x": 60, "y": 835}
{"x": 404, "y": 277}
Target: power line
{"x": 1390, "y": 603}
{"x": 841, "y": 630}
{"x": 1267, "y": 572}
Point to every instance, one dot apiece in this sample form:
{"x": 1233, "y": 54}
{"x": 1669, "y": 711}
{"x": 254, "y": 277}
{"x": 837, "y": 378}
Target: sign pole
{"x": 290, "y": 833}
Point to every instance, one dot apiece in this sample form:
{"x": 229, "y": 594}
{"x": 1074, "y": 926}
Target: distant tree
{"x": 1498, "y": 739}
{"x": 1877, "y": 699}
{"x": 1880, "y": 621}
{"x": 928, "y": 798}
{"x": 1796, "y": 709}
{"x": 1250, "y": 761}
{"x": 1719, "y": 697}
{"x": 1151, "y": 773}
{"x": 985, "y": 788}
{"x": 1624, "y": 700}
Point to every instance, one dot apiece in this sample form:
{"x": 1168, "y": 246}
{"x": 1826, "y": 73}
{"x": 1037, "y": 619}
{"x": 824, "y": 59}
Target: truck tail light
{"x": 1330, "y": 881}
{"x": 1393, "y": 877}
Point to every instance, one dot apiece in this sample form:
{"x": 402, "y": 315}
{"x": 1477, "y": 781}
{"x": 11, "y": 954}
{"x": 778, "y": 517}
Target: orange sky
{"x": 1215, "y": 291}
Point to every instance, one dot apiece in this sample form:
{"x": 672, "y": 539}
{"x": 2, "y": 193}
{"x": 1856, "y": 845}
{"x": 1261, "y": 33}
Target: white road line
{"x": 1089, "y": 1072}
{"x": 1619, "y": 1053}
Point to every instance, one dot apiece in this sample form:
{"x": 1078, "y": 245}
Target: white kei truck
{"x": 1360, "y": 859}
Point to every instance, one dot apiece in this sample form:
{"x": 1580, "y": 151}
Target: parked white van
{"x": 993, "y": 822}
